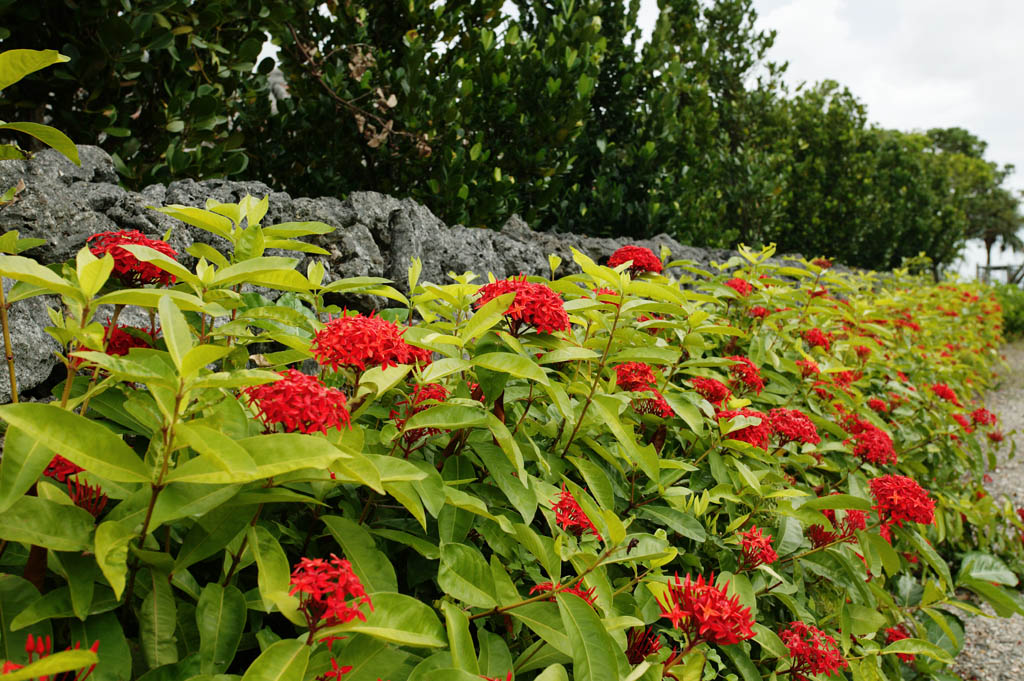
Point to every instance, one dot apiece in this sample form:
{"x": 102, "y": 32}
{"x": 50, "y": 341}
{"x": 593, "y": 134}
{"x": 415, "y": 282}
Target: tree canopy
{"x": 556, "y": 110}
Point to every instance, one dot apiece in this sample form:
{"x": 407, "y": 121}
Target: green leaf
{"x": 447, "y": 417}
{"x": 737, "y": 653}
{"x": 838, "y": 501}
{"x": 222, "y": 450}
{"x": 513, "y": 365}
{"x": 679, "y": 521}
{"x": 464, "y": 574}
{"x": 28, "y": 270}
{"x": 593, "y": 651}
{"x": 460, "y": 641}
{"x": 16, "y": 64}
{"x": 197, "y": 217}
{"x": 24, "y": 460}
{"x": 157, "y": 621}
{"x": 274, "y": 578}
{"x": 175, "y": 331}
{"x": 283, "y": 661}
{"x": 52, "y": 665}
{"x": 486, "y": 317}
{"x": 51, "y": 137}
{"x": 369, "y": 563}
{"x": 111, "y": 549}
{"x": 274, "y": 455}
{"x": 80, "y": 440}
{"x": 917, "y": 646}
{"x": 115, "y": 657}
{"x": 259, "y": 270}
{"x": 42, "y": 522}
{"x": 925, "y": 550}
{"x": 982, "y": 567}
{"x": 400, "y": 619}
{"x": 220, "y": 616}
{"x": 544, "y": 620}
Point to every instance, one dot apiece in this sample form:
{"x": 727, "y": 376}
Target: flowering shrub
{"x": 499, "y": 481}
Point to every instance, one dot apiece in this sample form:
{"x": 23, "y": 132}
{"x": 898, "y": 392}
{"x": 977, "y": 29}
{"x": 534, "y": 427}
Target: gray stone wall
{"x": 375, "y": 235}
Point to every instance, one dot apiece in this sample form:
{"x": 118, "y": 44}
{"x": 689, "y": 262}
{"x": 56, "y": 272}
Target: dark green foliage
{"x": 481, "y": 108}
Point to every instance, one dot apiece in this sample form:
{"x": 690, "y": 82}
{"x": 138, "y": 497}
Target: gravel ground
{"x": 994, "y": 647}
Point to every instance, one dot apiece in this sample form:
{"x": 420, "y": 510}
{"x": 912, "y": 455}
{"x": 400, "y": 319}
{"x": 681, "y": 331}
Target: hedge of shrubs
{"x": 639, "y": 471}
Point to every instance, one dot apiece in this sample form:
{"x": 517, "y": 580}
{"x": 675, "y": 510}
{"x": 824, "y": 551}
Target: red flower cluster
{"x": 878, "y": 405}
{"x": 414, "y": 404}
{"x": 712, "y": 390}
{"x": 641, "y": 643}
{"x": 792, "y": 425}
{"x": 943, "y": 391}
{"x": 995, "y": 435}
{"x": 871, "y": 443}
{"x": 88, "y": 497}
{"x": 128, "y": 269}
{"x": 569, "y": 516}
{"x": 324, "y": 587}
{"x": 757, "y": 548}
{"x": 740, "y": 286}
{"x": 758, "y": 435}
{"x": 705, "y": 613}
{"x": 639, "y": 377}
{"x": 300, "y": 403}
{"x": 808, "y": 367}
{"x": 635, "y": 377}
{"x": 535, "y": 305}
{"x": 817, "y": 338}
{"x": 759, "y": 312}
{"x": 363, "y": 342}
{"x": 38, "y": 648}
{"x": 60, "y": 468}
{"x": 746, "y": 373}
{"x": 964, "y": 422}
{"x": 983, "y": 417}
{"x": 823, "y": 263}
{"x": 899, "y": 498}
{"x": 863, "y": 352}
{"x": 586, "y": 594}
{"x": 119, "y": 341}
{"x": 842, "y": 530}
{"x": 812, "y": 651}
{"x": 644, "y": 260}
{"x": 898, "y": 633}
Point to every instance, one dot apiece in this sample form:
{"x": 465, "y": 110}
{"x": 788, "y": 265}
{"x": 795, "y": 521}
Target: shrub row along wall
{"x": 375, "y": 235}
{"x": 605, "y": 475}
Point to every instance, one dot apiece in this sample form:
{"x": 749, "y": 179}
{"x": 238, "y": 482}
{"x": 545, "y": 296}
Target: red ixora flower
{"x": 508, "y": 677}
{"x": 705, "y": 613}
{"x": 740, "y": 286}
{"x": 644, "y": 260}
{"x": 712, "y": 390}
{"x": 863, "y": 352}
{"x": 812, "y": 651}
{"x": 39, "y": 647}
{"x": 792, "y": 425}
{"x": 871, "y": 443}
{"x": 823, "y": 263}
{"x": 757, "y": 548}
{"x": 88, "y": 497}
{"x": 635, "y": 376}
{"x": 120, "y": 342}
{"x": 414, "y": 404}
{"x": 878, "y": 405}
{"x": 898, "y": 633}
{"x": 899, "y": 498}
{"x": 745, "y": 373}
{"x": 964, "y": 422}
{"x": 817, "y": 338}
{"x": 534, "y": 305}
{"x": 842, "y": 530}
{"x": 641, "y": 643}
{"x": 361, "y": 342}
{"x": 944, "y": 392}
{"x": 300, "y": 403}
{"x": 808, "y": 367}
{"x": 128, "y": 269}
{"x": 545, "y": 587}
{"x": 757, "y": 435}
{"x": 324, "y": 588}
{"x": 983, "y": 417}
{"x": 995, "y": 435}
{"x": 569, "y": 516}
{"x": 60, "y": 468}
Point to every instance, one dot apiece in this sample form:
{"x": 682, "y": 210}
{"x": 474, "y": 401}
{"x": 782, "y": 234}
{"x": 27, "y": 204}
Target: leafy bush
{"x": 765, "y": 469}
{"x": 1011, "y": 298}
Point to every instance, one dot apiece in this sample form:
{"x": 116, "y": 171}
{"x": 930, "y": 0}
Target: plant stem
{"x": 8, "y": 350}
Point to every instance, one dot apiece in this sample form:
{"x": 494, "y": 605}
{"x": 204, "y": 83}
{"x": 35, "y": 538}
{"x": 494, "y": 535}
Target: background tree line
{"x": 555, "y": 111}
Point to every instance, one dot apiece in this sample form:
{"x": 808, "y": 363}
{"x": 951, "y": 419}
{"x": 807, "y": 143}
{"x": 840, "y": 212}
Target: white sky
{"x": 916, "y": 64}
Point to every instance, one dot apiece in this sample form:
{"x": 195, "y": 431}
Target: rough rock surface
{"x": 994, "y": 647}
{"x": 375, "y": 235}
